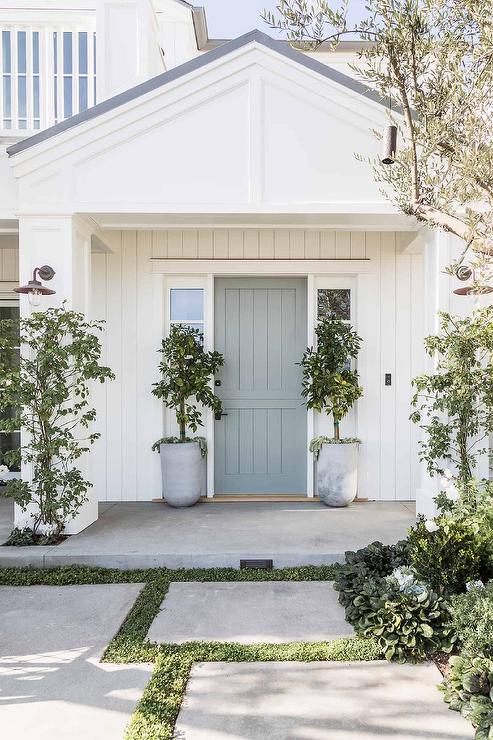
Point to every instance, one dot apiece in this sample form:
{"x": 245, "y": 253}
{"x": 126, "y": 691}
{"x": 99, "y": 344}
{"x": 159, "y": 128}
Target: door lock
{"x": 217, "y": 383}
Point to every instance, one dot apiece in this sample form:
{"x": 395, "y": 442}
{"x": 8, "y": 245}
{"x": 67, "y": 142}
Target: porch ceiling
{"x": 358, "y": 221}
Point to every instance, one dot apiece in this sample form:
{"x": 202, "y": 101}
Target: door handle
{"x": 219, "y": 414}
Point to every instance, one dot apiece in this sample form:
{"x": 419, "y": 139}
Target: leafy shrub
{"x": 408, "y": 619}
{"x": 472, "y": 620}
{"x": 24, "y": 537}
{"x": 369, "y": 562}
{"x": 469, "y": 690}
{"x": 460, "y": 550}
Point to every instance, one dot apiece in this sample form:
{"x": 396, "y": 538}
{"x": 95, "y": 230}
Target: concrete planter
{"x": 181, "y": 469}
{"x": 337, "y": 473}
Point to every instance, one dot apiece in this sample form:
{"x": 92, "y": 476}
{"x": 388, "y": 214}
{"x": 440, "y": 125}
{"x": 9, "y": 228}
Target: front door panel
{"x": 260, "y": 327}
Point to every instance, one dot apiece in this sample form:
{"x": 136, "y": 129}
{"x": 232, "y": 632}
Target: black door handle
{"x": 219, "y": 414}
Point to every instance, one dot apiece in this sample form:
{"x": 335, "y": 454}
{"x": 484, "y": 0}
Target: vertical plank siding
{"x": 389, "y": 308}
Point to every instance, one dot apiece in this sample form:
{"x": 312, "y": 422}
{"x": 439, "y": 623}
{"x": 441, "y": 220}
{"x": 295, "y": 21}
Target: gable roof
{"x": 256, "y": 36}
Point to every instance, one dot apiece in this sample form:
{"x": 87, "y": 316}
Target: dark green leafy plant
{"x": 469, "y": 690}
{"x": 186, "y": 370}
{"x": 26, "y": 536}
{"x": 454, "y": 404}
{"x": 472, "y": 619}
{"x": 408, "y": 624}
{"x": 376, "y": 560}
{"x": 329, "y": 385}
{"x": 47, "y": 395}
{"x": 458, "y": 551}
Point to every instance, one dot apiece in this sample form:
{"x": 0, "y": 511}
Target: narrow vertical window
{"x": 83, "y": 70}
{"x": 36, "y": 101}
{"x": 67, "y": 74}
{"x": 7, "y": 79}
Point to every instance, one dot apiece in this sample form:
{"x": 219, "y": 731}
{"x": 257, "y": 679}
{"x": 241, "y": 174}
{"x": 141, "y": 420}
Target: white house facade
{"x": 168, "y": 178}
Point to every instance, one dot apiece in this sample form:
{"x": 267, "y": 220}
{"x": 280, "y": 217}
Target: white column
{"x": 64, "y": 243}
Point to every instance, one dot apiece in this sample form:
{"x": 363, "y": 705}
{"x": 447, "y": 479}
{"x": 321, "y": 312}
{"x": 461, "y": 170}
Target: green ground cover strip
{"x": 156, "y": 713}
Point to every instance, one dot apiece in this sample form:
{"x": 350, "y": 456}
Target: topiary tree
{"x": 454, "y": 404}
{"x": 186, "y": 370}
{"x": 47, "y": 394}
{"x": 434, "y": 60}
{"x": 329, "y": 384}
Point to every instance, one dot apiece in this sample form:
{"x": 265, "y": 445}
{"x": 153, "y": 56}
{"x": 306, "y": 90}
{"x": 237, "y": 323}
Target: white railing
{"x": 47, "y": 74}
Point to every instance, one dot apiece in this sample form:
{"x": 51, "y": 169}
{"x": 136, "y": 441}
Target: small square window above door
{"x": 334, "y": 302}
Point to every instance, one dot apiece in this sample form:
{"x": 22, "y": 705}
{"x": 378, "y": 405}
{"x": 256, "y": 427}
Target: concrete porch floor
{"x": 146, "y": 535}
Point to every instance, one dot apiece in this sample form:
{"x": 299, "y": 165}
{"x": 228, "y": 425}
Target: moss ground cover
{"x": 156, "y": 713}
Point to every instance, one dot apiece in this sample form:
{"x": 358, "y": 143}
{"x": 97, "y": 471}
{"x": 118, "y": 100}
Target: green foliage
{"x": 457, "y": 552}
{"x": 408, "y": 623}
{"x": 472, "y": 619}
{"x": 47, "y": 394}
{"x": 329, "y": 385}
{"x": 201, "y": 441}
{"x": 186, "y": 371}
{"x": 469, "y": 690}
{"x": 317, "y": 443}
{"x": 432, "y": 59}
{"x": 25, "y": 537}
{"x": 375, "y": 561}
{"x": 454, "y": 404}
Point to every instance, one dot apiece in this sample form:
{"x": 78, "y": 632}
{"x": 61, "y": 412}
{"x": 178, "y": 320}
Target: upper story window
{"x": 47, "y": 75}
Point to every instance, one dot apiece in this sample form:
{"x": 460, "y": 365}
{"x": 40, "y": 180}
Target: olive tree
{"x": 329, "y": 384}
{"x": 46, "y": 393}
{"x": 454, "y": 404}
{"x": 434, "y": 60}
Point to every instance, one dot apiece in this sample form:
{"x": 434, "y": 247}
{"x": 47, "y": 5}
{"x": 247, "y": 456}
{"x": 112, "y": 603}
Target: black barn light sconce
{"x": 35, "y": 289}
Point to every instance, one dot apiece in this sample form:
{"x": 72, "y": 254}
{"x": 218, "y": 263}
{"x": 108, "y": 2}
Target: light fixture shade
{"x": 474, "y": 290}
{"x": 34, "y": 288}
{"x": 389, "y": 142}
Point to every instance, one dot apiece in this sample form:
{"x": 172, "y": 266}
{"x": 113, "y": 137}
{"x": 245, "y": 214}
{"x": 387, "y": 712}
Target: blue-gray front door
{"x": 260, "y": 442}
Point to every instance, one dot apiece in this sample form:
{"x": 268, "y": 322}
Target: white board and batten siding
{"x": 132, "y": 299}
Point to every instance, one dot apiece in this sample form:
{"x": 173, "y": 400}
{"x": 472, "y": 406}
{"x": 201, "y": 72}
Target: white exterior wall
{"x": 132, "y": 297}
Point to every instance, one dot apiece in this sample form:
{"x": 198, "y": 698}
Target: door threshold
{"x": 222, "y": 498}
{"x": 244, "y": 498}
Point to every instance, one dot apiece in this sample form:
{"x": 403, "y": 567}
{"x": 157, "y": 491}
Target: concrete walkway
{"x": 317, "y": 701}
{"x": 52, "y": 686}
{"x": 143, "y": 535}
{"x": 249, "y": 613}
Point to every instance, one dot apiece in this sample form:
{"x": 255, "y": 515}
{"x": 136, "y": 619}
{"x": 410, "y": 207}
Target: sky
{"x": 230, "y": 18}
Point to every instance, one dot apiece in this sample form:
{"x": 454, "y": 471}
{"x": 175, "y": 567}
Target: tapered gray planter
{"x": 181, "y": 469}
{"x": 337, "y": 473}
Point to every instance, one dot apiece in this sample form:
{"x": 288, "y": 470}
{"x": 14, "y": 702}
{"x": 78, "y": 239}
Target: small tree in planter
{"x": 46, "y": 394}
{"x": 454, "y": 404}
{"x": 186, "y": 370}
{"x": 330, "y": 386}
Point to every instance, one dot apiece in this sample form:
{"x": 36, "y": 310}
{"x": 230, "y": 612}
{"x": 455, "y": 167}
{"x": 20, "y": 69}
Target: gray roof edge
{"x": 192, "y": 65}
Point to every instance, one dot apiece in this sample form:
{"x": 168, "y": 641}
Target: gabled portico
{"x": 237, "y": 166}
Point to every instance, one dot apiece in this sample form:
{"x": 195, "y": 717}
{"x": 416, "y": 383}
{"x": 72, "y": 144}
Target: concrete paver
{"x": 317, "y": 701}
{"x": 51, "y": 683}
{"x": 269, "y": 611}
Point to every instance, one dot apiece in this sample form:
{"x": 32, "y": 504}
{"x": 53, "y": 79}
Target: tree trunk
{"x": 182, "y": 422}
{"x": 336, "y": 428}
